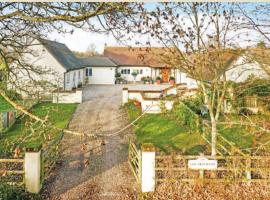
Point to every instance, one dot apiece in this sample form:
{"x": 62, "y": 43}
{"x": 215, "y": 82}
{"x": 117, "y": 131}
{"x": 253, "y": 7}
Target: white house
{"x": 99, "y": 70}
{"x": 243, "y": 67}
{"x": 53, "y": 66}
{"x": 145, "y": 62}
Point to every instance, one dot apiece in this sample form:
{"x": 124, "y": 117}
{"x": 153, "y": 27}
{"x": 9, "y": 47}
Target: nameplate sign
{"x": 202, "y": 163}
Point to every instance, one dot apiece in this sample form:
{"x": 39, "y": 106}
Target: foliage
{"x": 8, "y": 192}
{"x": 117, "y": 75}
{"x": 195, "y": 104}
{"x": 186, "y": 116}
{"x": 172, "y": 78}
{"x": 164, "y": 133}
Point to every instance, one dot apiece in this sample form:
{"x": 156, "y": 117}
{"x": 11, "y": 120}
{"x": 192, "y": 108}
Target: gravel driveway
{"x": 95, "y": 168}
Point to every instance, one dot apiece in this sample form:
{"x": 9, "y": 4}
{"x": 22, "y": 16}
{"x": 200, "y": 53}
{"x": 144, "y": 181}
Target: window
{"x": 79, "y": 74}
{"x": 88, "y": 72}
{"x": 128, "y": 71}
{"x": 68, "y": 78}
{"x": 141, "y": 71}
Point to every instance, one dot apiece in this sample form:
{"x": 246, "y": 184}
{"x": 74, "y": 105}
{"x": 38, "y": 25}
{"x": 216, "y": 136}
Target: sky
{"x": 80, "y": 39}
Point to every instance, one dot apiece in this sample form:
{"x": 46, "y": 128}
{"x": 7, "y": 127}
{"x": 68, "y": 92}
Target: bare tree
{"x": 20, "y": 22}
{"x": 201, "y": 41}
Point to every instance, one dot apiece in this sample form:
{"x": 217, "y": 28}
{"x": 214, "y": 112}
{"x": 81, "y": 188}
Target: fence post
{"x": 248, "y": 171}
{"x": 148, "y": 168}
{"x": 124, "y": 96}
{"x": 32, "y": 164}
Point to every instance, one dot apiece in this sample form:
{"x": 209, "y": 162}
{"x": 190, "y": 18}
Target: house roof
{"x": 62, "y": 54}
{"x": 137, "y": 56}
{"x": 97, "y": 61}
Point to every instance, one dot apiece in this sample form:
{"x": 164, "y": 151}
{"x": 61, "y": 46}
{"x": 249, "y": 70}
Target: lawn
{"x": 169, "y": 135}
{"x": 166, "y": 134}
{"x": 4, "y": 105}
{"x": 59, "y": 116}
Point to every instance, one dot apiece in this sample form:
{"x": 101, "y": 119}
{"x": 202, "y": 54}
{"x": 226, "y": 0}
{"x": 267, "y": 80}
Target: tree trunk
{"x": 214, "y": 137}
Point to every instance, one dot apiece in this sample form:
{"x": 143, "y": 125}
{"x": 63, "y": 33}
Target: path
{"x": 102, "y": 173}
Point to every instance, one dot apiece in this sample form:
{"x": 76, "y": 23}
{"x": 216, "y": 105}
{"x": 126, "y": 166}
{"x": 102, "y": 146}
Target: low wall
{"x": 150, "y": 100}
{"x": 67, "y": 96}
{"x": 156, "y": 106}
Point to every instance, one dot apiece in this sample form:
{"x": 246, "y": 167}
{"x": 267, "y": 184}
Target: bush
{"x": 8, "y": 192}
{"x": 186, "y": 116}
{"x": 12, "y": 94}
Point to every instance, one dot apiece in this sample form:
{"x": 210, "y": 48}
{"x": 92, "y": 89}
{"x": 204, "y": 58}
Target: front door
{"x": 165, "y": 75}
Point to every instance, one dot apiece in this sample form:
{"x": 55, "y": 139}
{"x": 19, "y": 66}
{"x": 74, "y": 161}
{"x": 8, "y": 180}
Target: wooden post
{"x": 248, "y": 172}
{"x": 148, "y": 168}
{"x": 32, "y": 164}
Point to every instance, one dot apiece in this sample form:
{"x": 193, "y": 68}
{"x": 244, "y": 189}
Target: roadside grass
{"x": 166, "y": 134}
{"x": 4, "y": 105}
{"x": 58, "y": 116}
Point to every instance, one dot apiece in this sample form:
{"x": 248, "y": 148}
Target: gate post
{"x": 32, "y": 166}
{"x": 148, "y": 168}
{"x": 124, "y": 96}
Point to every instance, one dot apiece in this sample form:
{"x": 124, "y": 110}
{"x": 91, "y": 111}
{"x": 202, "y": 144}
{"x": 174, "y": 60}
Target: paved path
{"x": 103, "y": 172}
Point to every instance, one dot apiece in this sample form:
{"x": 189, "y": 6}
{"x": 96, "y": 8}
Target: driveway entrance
{"x": 95, "y": 168}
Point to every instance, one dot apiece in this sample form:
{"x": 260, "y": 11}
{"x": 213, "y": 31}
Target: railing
{"x": 12, "y": 171}
{"x": 229, "y": 169}
{"x": 134, "y": 160}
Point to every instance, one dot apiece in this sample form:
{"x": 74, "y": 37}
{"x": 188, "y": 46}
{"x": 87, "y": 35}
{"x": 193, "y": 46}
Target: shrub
{"x": 8, "y": 192}
{"x": 172, "y": 78}
{"x": 186, "y": 116}
{"x": 158, "y": 78}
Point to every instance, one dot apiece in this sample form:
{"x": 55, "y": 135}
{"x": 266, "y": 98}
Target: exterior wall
{"x": 74, "y": 78}
{"x": 101, "y": 75}
{"x": 147, "y": 71}
{"x": 155, "y": 106}
{"x": 50, "y": 70}
{"x": 68, "y": 97}
{"x": 242, "y": 69}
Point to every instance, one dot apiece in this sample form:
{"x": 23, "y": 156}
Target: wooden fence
{"x": 134, "y": 160}
{"x": 12, "y": 171}
{"x": 229, "y": 169}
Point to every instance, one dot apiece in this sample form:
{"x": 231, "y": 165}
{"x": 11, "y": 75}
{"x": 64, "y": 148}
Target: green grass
{"x": 59, "y": 116}
{"x": 169, "y": 135}
{"x": 165, "y": 133}
{"x": 4, "y": 105}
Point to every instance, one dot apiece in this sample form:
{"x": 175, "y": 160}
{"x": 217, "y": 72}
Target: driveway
{"x": 95, "y": 168}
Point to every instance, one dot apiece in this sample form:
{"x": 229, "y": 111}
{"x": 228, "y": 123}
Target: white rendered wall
{"x": 242, "y": 69}
{"x": 155, "y": 106}
{"x": 73, "y": 79}
{"x": 102, "y": 75}
{"x": 68, "y": 97}
{"x": 41, "y": 60}
{"x": 130, "y": 78}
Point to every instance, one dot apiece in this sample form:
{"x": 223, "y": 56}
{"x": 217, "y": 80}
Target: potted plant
{"x": 172, "y": 80}
{"x": 134, "y": 74}
{"x": 158, "y": 80}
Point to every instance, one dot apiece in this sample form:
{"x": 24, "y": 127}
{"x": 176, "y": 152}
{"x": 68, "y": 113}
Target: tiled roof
{"x": 138, "y": 56}
{"x": 97, "y": 61}
{"x": 62, "y": 54}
